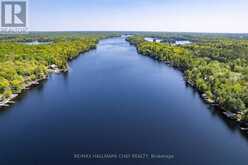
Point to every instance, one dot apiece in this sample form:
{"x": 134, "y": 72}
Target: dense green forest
{"x": 21, "y": 65}
{"x": 216, "y": 66}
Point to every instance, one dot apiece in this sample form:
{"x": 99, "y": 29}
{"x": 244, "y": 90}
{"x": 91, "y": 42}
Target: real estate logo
{"x": 14, "y": 16}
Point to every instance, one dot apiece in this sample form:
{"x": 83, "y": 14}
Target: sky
{"x": 139, "y": 15}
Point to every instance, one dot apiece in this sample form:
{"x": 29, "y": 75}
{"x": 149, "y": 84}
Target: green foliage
{"x": 217, "y": 68}
{"x": 21, "y": 63}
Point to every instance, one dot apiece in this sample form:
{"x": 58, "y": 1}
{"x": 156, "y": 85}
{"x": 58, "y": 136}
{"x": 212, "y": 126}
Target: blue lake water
{"x": 116, "y": 101}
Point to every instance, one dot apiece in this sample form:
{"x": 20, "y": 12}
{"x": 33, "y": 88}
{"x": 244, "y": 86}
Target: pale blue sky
{"x": 139, "y": 15}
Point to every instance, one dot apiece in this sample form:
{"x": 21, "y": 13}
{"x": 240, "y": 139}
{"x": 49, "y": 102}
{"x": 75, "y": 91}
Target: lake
{"x": 115, "y": 101}
{"x": 150, "y": 39}
{"x": 176, "y": 42}
{"x": 36, "y": 43}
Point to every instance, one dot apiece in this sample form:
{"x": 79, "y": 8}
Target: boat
{"x": 244, "y": 126}
{"x": 230, "y": 115}
{"x": 11, "y": 102}
{"x": 3, "y": 105}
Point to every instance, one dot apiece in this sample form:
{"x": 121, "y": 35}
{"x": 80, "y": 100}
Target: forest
{"x": 216, "y": 66}
{"x": 22, "y": 65}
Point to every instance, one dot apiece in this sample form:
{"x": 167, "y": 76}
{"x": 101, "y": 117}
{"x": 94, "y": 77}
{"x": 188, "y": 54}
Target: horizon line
{"x": 139, "y": 31}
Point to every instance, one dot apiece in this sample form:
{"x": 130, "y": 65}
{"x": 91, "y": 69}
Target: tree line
{"x": 217, "y": 68}
{"x": 20, "y": 64}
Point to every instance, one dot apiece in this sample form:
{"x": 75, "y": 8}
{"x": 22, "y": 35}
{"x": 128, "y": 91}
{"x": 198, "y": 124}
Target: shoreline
{"x": 230, "y": 115}
{"x": 11, "y": 100}
{"x": 236, "y": 117}
{"x": 51, "y": 69}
